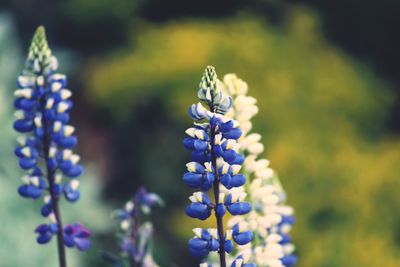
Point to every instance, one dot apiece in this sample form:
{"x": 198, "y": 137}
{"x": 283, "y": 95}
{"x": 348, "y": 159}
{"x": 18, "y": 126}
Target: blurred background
{"x": 325, "y": 74}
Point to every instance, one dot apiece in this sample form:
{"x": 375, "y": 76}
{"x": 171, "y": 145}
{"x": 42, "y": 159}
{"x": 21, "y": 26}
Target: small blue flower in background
{"x": 45, "y": 147}
{"x": 215, "y": 164}
{"x": 135, "y": 242}
{"x": 76, "y": 235}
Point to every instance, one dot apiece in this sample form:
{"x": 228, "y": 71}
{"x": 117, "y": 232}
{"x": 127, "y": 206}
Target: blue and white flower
{"x": 45, "y": 147}
{"x": 215, "y": 162}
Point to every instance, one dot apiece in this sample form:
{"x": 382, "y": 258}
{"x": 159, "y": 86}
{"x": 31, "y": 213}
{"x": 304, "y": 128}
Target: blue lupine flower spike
{"x": 135, "y": 242}
{"x": 45, "y": 147}
{"x": 215, "y": 164}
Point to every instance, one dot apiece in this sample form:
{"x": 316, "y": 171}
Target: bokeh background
{"x": 325, "y": 74}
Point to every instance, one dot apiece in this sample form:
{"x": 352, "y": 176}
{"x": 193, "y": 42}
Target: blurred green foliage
{"x": 322, "y": 115}
{"x": 89, "y": 11}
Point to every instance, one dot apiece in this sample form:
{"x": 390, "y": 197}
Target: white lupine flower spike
{"x": 271, "y": 219}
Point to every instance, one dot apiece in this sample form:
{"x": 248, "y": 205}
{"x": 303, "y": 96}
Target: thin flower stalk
{"x": 136, "y": 233}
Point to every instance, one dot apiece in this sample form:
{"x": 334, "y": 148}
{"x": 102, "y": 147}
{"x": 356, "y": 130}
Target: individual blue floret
{"x": 200, "y": 207}
{"x": 235, "y": 204}
{"x": 45, "y": 232}
{"x": 76, "y": 235}
{"x": 203, "y": 242}
{"x": 199, "y": 175}
{"x": 240, "y": 234}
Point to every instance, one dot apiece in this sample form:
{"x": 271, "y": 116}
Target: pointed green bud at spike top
{"x": 40, "y": 57}
{"x": 210, "y": 92}
{"x": 39, "y": 47}
{"x": 208, "y": 82}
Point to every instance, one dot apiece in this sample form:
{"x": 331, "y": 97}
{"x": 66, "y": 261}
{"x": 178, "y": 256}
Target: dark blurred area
{"x": 365, "y": 29}
{"x": 131, "y": 92}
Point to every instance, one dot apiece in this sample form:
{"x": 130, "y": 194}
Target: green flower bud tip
{"x": 208, "y": 85}
{"x": 39, "y": 47}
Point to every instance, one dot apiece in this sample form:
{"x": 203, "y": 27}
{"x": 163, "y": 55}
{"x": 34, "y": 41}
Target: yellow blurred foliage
{"x": 321, "y": 114}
